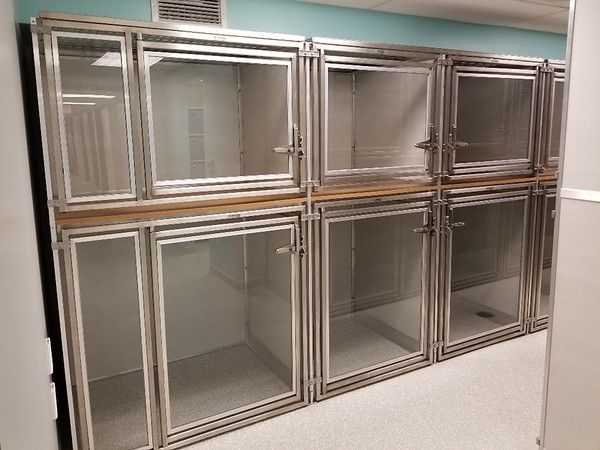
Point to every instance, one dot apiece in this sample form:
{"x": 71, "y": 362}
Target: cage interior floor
{"x": 200, "y": 387}
{"x": 354, "y": 345}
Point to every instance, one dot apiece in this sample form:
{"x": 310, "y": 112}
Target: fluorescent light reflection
{"x": 113, "y": 59}
{"x": 79, "y": 103}
{"x": 87, "y": 96}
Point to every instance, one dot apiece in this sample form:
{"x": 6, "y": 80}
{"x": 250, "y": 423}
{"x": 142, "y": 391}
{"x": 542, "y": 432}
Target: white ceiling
{"x": 542, "y": 15}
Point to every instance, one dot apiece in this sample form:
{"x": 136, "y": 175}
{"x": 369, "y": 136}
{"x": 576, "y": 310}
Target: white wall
{"x": 572, "y": 410}
{"x": 25, "y": 406}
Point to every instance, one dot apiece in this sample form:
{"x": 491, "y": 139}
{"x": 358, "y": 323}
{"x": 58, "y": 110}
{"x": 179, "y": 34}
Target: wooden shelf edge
{"x": 186, "y": 209}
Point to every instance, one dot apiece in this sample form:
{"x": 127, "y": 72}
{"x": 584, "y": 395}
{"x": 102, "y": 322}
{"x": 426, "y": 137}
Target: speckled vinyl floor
{"x": 488, "y": 399}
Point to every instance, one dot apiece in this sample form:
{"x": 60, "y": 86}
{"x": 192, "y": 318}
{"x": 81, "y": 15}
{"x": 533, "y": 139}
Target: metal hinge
{"x": 440, "y": 201}
{"x": 54, "y": 402}
{"x": 545, "y": 68}
{"x": 48, "y": 346}
{"x": 310, "y": 183}
{"x": 436, "y": 345}
{"x": 40, "y": 29}
{"x": 538, "y": 189}
{"x": 63, "y": 245}
{"x": 312, "y": 382}
{"x": 529, "y": 320}
{"x": 444, "y": 62}
{"x": 56, "y": 203}
{"x": 311, "y": 216}
{"x": 443, "y": 175}
{"x": 309, "y": 53}
{"x": 290, "y": 250}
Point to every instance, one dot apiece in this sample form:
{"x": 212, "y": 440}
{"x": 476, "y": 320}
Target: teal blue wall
{"x": 309, "y": 19}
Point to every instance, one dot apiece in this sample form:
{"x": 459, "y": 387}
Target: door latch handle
{"x": 294, "y": 148}
{"x": 453, "y": 143}
{"x": 431, "y": 143}
{"x": 289, "y": 149}
{"x": 459, "y": 144}
{"x": 427, "y": 145}
{"x": 452, "y": 225}
{"x": 426, "y": 229}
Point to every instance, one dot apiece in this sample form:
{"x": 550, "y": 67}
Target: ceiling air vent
{"x": 207, "y": 12}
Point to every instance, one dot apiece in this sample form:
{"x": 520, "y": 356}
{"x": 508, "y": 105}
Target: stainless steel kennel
{"x": 244, "y": 223}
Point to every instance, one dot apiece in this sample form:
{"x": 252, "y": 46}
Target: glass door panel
{"x": 217, "y": 120}
{"x": 486, "y": 261}
{"x": 109, "y": 308}
{"x": 228, "y": 336}
{"x": 95, "y": 129}
{"x": 556, "y": 127}
{"x": 375, "y": 296}
{"x": 546, "y": 263}
{"x": 375, "y": 117}
{"x": 493, "y": 116}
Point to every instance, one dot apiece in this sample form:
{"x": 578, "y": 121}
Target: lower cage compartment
{"x": 182, "y": 329}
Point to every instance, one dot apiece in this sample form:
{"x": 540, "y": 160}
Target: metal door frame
{"x": 200, "y": 429}
{"x": 364, "y": 58}
{"x": 495, "y": 168}
{"x": 537, "y": 321}
{"x": 63, "y": 175}
{"x": 369, "y": 208}
{"x": 392, "y": 66}
{"x": 81, "y": 396}
{"x": 551, "y": 162}
{"x": 459, "y": 198}
{"x": 279, "y": 183}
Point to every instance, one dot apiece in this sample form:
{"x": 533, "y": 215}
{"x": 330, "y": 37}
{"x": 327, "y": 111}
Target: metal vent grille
{"x": 208, "y": 12}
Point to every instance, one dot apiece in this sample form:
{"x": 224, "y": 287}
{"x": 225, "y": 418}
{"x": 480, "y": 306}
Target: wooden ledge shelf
{"x": 186, "y": 209}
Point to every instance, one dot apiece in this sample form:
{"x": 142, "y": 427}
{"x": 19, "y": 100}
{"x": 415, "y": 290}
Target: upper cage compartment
{"x": 139, "y": 112}
{"x": 389, "y": 113}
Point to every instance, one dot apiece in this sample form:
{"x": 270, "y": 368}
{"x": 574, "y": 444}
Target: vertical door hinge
{"x": 436, "y": 345}
{"x": 48, "y": 346}
{"x": 311, "y": 216}
{"x": 444, "y": 62}
{"x": 312, "y": 382}
{"x": 310, "y": 183}
{"x": 443, "y": 175}
{"x": 40, "y": 29}
{"x": 308, "y": 53}
{"x": 545, "y": 68}
{"x": 53, "y": 400}
{"x": 64, "y": 245}
{"x": 529, "y": 320}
